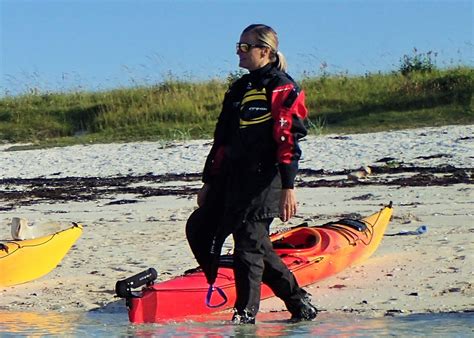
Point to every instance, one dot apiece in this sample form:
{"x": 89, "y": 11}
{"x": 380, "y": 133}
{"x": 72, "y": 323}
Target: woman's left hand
{"x": 287, "y": 204}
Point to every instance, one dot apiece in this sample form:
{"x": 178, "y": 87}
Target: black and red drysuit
{"x": 254, "y": 156}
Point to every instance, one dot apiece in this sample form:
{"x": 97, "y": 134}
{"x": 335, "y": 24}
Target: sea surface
{"x": 99, "y": 324}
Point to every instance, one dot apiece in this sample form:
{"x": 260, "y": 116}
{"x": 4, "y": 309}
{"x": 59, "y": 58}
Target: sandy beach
{"x": 134, "y": 199}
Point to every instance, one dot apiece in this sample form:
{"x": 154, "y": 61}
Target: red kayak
{"x": 312, "y": 253}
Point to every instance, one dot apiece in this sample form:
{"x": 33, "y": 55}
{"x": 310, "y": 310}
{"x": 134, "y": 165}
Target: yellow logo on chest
{"x": 254, "y": 108}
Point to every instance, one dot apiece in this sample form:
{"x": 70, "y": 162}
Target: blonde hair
{"x": 266, "y": 35}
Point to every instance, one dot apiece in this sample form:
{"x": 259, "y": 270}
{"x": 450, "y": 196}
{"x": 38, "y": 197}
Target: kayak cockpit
{"x": 298, "y": 240}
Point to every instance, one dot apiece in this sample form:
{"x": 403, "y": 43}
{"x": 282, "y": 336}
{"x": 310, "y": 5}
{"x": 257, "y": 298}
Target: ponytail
{"x": 280, "y": 62}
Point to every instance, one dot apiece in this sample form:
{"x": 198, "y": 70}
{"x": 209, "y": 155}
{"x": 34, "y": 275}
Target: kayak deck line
{"x": 22, "y": 261}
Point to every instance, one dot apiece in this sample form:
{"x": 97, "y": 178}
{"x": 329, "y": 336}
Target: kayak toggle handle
{"x": 221, "y": 293}
{"x": 123, "y": 288}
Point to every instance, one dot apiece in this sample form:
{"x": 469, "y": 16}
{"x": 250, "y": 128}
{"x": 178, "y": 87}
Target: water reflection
{"x": 269, "y": 325}
{"x": 37, "y": 323}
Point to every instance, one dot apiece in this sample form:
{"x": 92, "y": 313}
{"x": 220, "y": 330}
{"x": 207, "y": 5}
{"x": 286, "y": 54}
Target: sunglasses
{"x": 245, "y": 47}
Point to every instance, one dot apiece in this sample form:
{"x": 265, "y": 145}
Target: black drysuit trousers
{"x": 254, "y": 259}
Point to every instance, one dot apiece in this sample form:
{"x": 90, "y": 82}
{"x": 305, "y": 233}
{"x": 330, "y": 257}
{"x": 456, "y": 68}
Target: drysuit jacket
{"x": 254, "y": 155}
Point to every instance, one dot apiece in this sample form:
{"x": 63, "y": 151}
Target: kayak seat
{"x": 300, "y": 238}
{"x": 280, "y": 244}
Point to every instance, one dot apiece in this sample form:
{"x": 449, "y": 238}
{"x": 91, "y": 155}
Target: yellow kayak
{"x": 26, "y": 260}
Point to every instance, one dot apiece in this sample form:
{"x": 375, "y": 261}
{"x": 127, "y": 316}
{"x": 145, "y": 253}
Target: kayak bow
{"x": 22, "y": 261}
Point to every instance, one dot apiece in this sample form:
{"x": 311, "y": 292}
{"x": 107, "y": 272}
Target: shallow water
{"x": 269, "y": 325}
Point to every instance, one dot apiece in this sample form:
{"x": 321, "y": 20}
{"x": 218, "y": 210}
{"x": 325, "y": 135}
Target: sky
{"x": 94, "y": 45}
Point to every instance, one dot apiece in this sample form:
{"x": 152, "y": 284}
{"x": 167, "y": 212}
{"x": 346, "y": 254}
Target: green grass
{"x": 378, "y": 102}
{"x": 177, "y": 109}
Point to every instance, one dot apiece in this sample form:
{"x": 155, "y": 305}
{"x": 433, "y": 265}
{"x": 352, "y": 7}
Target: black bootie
{"x": 302, "y": 310}
{"x": 243, "y": 317}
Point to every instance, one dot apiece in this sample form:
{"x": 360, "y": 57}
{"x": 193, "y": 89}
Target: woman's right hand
{"x": 202, "y": 193}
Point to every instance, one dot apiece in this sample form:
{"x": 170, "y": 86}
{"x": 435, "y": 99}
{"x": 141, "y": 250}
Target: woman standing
{"x": 249, "y": 177}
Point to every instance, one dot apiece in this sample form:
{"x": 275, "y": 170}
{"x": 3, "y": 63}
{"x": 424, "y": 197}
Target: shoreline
{"x": 126, "y": 231}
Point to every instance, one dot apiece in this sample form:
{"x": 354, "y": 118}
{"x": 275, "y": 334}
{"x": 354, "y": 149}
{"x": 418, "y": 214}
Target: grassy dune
{"x": 178, "y": 109}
